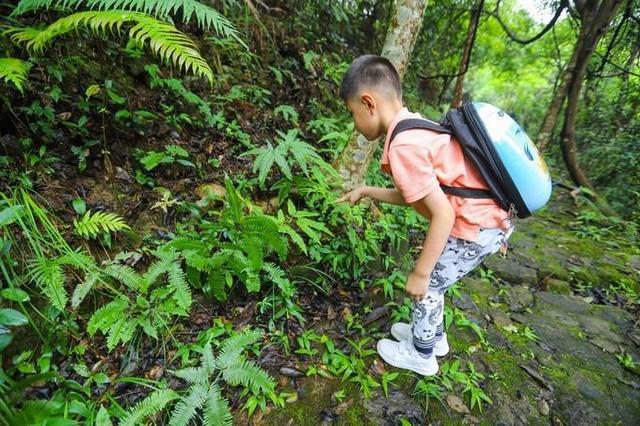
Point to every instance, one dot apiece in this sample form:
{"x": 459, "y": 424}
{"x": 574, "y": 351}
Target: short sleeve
{"x": 412, "y": 169}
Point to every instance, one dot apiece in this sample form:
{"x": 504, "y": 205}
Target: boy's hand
{"x": 353, "y": 196}
{"x": 417, "y": 285}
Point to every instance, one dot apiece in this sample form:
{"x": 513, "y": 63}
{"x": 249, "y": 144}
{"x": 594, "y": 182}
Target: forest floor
{"x": 557, "y": 347}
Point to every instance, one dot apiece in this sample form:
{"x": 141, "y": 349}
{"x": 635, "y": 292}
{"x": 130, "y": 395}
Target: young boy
{"x": 462, "y": 231}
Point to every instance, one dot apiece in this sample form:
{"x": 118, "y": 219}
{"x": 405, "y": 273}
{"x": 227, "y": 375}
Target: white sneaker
{"x": 404, "y": 355}
{"x": 402, "y": 331}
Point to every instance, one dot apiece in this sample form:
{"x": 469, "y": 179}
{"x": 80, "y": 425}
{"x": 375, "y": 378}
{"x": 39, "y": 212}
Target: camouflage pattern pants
{"x": 458, "y": 258}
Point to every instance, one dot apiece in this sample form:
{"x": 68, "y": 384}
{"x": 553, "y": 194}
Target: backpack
{"x": 515, "y": 173}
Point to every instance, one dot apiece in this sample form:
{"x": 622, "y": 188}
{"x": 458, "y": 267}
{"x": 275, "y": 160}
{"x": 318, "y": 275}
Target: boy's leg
{"x": 458, "y": 258}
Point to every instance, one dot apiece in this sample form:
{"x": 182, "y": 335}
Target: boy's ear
{"x": 368, "y": 101}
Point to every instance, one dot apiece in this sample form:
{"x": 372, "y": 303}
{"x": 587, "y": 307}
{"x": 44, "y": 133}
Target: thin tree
{"x": 595, "y": 18}
{"x": 476, "y": 11}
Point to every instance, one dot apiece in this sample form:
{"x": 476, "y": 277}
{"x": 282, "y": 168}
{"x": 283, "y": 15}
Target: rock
{"x": 209, "y": 192}
{"x": 599, "y": 328}
{"x": 290, "y": 372}
{"x": 465, "y": 303}
{"x": 634, "y": 262}
{"x": 587, "y": 388}
{"x": 382, "y": 411}
{"x": 511, "y": 271}
{"x": 518, "y": 298}
{"x": 499, "y": 318}
{"x": 543, "y": 407}
{"x": 604, "y": 344}
{"x": 558, "y": 286}
{"x": 561, "y": 302}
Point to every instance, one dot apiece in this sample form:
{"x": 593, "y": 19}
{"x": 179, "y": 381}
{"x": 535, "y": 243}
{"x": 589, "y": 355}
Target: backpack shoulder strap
{"x": 417, "y": 123}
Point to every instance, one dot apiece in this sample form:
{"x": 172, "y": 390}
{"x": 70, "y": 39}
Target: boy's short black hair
{"x": 369, "y": 71}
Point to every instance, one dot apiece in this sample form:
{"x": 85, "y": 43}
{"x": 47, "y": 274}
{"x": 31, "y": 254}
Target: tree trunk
{"x": 595, "y": 18}
{"x": 543, "y": 139}
{"x": 466, "y": 53}
{"x": 353, "y": 162}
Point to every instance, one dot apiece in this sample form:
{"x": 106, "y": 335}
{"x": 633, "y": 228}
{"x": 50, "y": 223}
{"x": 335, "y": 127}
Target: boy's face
{"x": 365, "y": 116}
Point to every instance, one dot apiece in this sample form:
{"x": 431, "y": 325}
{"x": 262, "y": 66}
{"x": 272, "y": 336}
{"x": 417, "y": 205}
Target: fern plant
{"x": 170, "y": 44}
{"x": 204, "y": 393}
{"x": 234, "y": 248}
{"x": 206, "y": 17}
{"x": 14, "y": 71}
{"x": 152, "y": 305}
{"x": 289, "y": 151}
{"x": 91, "y": 225}
{"x": 152, "y": 404}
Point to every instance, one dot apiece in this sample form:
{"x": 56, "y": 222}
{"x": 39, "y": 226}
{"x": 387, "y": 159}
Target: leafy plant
{"x": 205, "y": 393}
{"x": 152, "y": 404}
{"x": 288, "y": 145}
{"x": 9, "y": 318}
{"x": 287, "y": 112}
{"x": 14, "y": 71}
{"x": 428, "y": 388}
{"x": 171, "y": 154}
{"x": 235, "y": 246}
{"x": 153, "y": 306}
{"x": 165, "y": 40}
{"x": 205, "y": 16}
{"x": 93, "y": 224}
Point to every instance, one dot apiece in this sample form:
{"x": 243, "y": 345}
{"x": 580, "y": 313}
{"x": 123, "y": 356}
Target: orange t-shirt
{"x": 420, "y": 160}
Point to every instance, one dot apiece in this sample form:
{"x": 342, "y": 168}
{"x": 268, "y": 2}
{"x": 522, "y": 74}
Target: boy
{"x": 462, "y": 231}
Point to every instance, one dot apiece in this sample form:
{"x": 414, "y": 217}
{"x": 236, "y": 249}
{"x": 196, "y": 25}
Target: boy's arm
{"x": 386, "y": 195}
{"x": 442, "y": 219}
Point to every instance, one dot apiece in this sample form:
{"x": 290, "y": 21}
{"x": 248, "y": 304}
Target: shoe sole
{"x": 424, "y": 372}
{"x": 398, "y": 338}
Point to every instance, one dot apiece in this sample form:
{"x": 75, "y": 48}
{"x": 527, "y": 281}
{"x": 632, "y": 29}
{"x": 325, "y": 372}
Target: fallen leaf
{"x": 457, "y": 404}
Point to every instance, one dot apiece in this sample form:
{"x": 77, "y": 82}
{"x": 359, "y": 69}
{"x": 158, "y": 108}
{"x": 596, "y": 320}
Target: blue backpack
{"x": 515, "y": 173}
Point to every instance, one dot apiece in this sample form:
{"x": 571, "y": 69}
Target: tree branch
{"x": 496, "y": 14}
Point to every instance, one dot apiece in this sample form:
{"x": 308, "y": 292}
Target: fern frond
{"x": 202, "y": 262}
{"x": 79, "y": 260}
{"x": 247, "y": 373}
{"x": 14, "y": 71}
{"x": 216, "y": 408}
{"x": 108, "y": 315}
{"x": 253, "y": 247}
{"x": 152, "y": 404}
{"x": 216, "y": 285}
{"x": 82, "y": 289}
{"x": 252, "y": 281}
{"x": 205, "y": 16}
{"x": 93, "y": 223}
{"x": 208, "y": 360}
{"x": 49, "y": 276}
{"x": 185, "y": 410}
{"x": 158, "y": 268}
{"x": 186, "y": 244}
{"x": 121, "y": 331}
{"x": 126, "y": 275}
{"x": 178, "y": 281}
{"x": 166, "y": 41}
{"x": 233, "y": 347}
{"x": 192, "y": 374}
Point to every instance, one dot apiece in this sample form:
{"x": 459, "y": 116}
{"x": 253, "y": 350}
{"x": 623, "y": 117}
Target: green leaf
{"x": 14, "y": 71}
{"x": 12, "y": 317}
{"x": 102, "y": 418}
{"x": 79, "y": 206}
{"x": 5, "y": 339}
{"x": 14, "y": 294}
{"x": 9, "y": 215}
